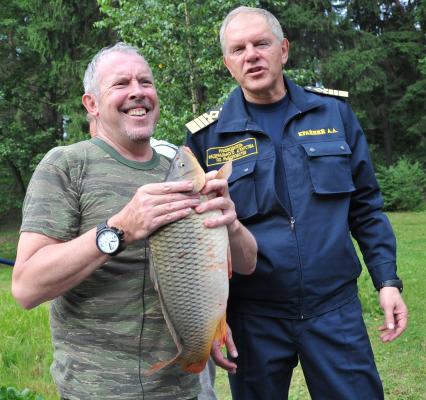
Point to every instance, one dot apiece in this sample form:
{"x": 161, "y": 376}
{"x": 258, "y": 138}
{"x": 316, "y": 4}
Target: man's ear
{"x": 90, "y": 103}
{"x": 226, "y": 65}
{"x": 285, "y": 48}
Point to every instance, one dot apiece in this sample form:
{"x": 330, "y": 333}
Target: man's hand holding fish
{"x": 153, "y": 206}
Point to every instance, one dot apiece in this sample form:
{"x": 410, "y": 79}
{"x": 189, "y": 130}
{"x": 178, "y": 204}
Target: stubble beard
{"x": 137, "y": 136}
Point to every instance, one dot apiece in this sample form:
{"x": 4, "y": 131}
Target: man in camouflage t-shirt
{"x": 106, "y": 321}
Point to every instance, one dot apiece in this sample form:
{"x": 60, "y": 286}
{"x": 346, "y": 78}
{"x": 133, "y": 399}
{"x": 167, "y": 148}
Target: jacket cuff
{"x": 383, "y": 272}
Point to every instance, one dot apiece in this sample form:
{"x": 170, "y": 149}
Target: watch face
{"x": 108, "y": 241}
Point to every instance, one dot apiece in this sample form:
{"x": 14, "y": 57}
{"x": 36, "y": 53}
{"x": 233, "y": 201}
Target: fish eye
{"x": 181, "y": 164}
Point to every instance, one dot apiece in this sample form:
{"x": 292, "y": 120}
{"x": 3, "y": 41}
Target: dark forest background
{"x": 373, "y": 49}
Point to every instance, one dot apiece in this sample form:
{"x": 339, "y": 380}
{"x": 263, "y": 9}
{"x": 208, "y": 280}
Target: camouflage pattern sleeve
{"x": 51, "y": 203}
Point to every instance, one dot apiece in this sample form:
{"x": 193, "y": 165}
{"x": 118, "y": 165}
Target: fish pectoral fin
{"x": 160, "y": 365}
{"x": 221, "y": 331}
{"x": 152, "y": 273}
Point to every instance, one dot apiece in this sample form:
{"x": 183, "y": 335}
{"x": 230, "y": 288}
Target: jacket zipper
{"x": 293, "y": 223}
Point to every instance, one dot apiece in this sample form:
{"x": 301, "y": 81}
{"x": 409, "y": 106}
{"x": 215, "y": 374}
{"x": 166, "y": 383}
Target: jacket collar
{"x": 234, "y": 116}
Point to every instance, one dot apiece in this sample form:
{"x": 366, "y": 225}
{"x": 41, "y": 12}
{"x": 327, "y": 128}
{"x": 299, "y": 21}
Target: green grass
{"x": 25, "y": 348}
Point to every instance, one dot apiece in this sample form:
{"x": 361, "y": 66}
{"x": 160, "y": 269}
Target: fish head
{"x": 186, "y": 167}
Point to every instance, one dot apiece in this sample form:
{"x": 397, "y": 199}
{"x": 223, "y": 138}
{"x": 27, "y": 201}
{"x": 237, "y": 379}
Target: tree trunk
{"x": 191, "y": 65}
{"x": 18, "y": 177}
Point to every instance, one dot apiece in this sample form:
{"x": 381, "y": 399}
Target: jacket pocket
{"x": 329, "y": 167}
{"x": 242, "y": 189}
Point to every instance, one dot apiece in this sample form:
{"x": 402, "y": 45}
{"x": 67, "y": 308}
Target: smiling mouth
{"x": 136, "y": 112}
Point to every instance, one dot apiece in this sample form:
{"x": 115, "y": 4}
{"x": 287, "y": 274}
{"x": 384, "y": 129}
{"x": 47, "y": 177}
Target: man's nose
{"x": 136, "y": 89}
{"x": 251, "y": 53}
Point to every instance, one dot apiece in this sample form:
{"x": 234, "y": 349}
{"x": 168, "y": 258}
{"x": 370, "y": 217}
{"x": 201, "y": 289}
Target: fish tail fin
{"x": 160, "y": 365}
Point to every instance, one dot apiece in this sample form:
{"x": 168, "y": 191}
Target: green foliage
{"x": 403, "y": 185}
{"x": 379, "y": 62}
{"x": 372, "y": 50}
{"x": 44, "y": 48}
{"x": 179, "y": 39}
{"x": 375, "y": 50}
{"x": 12, "y": 393}
{"x": 408, "y": 114}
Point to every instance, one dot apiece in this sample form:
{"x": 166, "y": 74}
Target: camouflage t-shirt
{"x": 109, "y": 329}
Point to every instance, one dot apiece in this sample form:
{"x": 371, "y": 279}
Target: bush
{"x": 12, "y": 393}
{"x": 403, "y": 185}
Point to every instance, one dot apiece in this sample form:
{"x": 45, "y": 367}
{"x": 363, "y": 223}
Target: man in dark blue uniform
{"x": 302, "y": 183}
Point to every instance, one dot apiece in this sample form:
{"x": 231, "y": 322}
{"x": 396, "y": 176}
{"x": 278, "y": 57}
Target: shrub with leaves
{"x": 12, "y": 393}
{"x": 403, "y": 185}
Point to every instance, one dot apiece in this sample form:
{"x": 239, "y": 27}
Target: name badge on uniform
{"x": 243, "y": 148}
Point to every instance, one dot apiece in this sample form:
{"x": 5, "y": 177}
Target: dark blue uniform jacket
{"x": 307, "y": 264}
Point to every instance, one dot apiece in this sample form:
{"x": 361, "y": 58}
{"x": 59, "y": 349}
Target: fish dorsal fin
{"x": 328, "y": 92}
{"x": 203, "y": 120}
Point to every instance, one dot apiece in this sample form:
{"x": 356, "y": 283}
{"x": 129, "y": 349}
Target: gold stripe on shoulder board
{"x": 329, "y": 92}
{"x": 203, "y": 120}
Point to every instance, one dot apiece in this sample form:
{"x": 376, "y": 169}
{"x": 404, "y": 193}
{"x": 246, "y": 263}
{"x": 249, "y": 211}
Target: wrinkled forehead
{"x": 246, "y": 26}
{"x": 121, "y": 63}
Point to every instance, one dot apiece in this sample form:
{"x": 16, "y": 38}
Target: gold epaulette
{"x": 329, "y": 92}
{"x": 203, "y": 120}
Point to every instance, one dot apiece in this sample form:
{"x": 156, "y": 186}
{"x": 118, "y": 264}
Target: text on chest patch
{"x": 235, "y": 151}
{"x": 314, "y": 132}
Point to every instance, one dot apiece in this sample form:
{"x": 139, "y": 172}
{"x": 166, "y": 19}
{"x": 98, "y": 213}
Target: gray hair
{"x": 90, "y": 80}
{"x": 270, "y": 19}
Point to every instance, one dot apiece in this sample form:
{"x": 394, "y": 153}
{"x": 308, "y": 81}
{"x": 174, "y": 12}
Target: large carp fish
{"x": 189, "y": 266}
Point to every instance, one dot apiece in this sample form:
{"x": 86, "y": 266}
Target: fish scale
{"x": 189, "y": 305}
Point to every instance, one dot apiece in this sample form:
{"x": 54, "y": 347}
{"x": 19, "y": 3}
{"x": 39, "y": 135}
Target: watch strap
{"x": 101, "y": 227}
{"x": 391, "y": 283}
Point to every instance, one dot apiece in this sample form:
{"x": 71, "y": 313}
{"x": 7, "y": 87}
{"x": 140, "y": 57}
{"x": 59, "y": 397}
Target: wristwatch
{"x": 391, "y": 283}
{"x": 109, "y": 240}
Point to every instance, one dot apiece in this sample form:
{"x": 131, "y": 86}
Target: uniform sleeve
{"x": 51, "y": 205}
{"x": 368, "y": 224}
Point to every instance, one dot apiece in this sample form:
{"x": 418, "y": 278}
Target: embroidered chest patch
{"x": 315, "y": 132}
{"x": 243, "y": 148}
